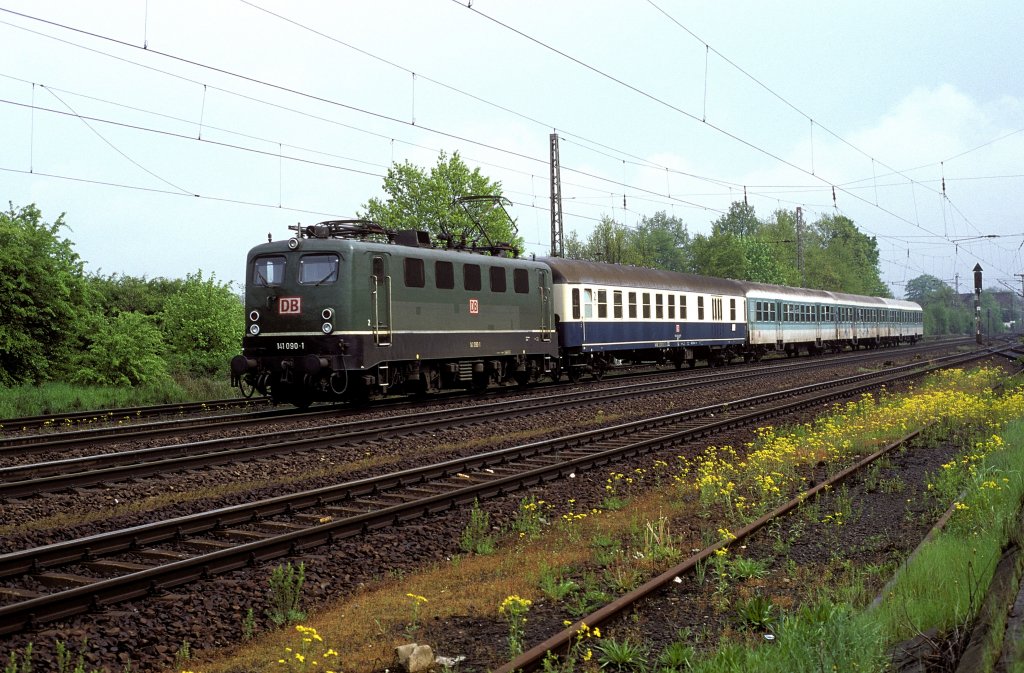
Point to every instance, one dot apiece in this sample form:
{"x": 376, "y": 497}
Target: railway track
{"x": 58, "y": 432}
{"x": 55, "y": 581}
{"x": 22, "y": 480}
{"x": 124, "y": 414}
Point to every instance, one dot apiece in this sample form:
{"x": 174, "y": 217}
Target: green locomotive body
{"x": 332, "y": 315}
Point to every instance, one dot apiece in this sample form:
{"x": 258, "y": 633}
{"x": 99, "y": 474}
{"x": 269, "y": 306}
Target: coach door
{"x": 380, "y": 300}
{"x": 545, "y": 305}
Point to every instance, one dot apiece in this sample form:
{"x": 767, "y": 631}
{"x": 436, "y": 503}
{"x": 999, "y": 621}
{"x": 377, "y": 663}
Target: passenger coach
{"x": 790, "y": 320}
{"x": 606, "y": 312}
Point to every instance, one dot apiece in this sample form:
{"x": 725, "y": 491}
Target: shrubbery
{"x": 58, "y": 324}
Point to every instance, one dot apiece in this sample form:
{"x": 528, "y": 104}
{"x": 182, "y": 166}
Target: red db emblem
{"x": 474, "y": 306}
{"x": 289, "y": 305}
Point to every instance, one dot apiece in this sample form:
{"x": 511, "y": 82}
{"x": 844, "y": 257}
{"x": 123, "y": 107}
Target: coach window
{"x": 732, "y": 310}
{"x": 471, "y": 277}
{"x": 659, "y": 309}
{"x": 700, "y": 307}
{"x": 268, "y": 271}
{"x": 671, "y": 307}
{"x": 682, "y": 307}
{"x": 413, "y": 272}
{"x": 632, "y": 304}
{"x": 602, "y": 303}
{"x": 521, "y": 281}
{"x": 318, "y": 269}
{"x": 617, "y": 304}
{"x": 647, "y": 304}
{"x": 444, "y": 275}
{"x": 498, "y": 281}
{"x": 588, "y": 303}
{"x": 575, "y": 303}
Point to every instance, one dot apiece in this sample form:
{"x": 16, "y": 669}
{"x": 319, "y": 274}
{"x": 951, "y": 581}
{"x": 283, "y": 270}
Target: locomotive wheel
{"x": 246, "y": 387}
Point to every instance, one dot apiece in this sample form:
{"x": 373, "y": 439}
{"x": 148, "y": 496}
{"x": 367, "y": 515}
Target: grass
{"x": 824, "y": 628}
{"x": 58, "y": 398}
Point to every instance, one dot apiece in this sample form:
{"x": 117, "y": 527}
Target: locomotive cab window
{"x": 318, "y": 269}
{"x": 268, "y": 271}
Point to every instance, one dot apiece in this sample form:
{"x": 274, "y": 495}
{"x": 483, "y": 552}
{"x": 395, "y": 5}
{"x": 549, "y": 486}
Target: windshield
{"x": 268, "y": 271}
{"x": 318, "y": 269}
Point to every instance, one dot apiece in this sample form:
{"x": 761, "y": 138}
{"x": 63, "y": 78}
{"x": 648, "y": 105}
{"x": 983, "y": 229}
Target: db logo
{"x": 474, "y": 306}
{"x": 289, "y": 305}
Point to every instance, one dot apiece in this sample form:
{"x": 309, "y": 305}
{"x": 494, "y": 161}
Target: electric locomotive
{"x": 346, "y": 310}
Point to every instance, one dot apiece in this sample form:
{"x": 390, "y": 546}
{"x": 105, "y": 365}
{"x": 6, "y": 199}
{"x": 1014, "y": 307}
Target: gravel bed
{"x": 209, "y": 614}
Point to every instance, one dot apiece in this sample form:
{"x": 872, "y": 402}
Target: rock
{"x": 414, "y": 658}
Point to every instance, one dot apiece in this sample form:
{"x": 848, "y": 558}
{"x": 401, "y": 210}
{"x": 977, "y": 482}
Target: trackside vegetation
{"x": 572, "y": 558}
{"x": 75, "y": 341}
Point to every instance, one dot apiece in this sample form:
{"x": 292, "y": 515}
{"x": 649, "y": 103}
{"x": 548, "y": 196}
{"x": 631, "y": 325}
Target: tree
{"x": 661, "y": 242}
{"x": 927, "y": 289}
{"x": 203, "y": 325}
{"x": 848, "y": 261}
{"x": 126, "y": 350}
{"x": 426, "y": 202}
{"x": 43, "y": 286}
{"x": 117, "y": 293}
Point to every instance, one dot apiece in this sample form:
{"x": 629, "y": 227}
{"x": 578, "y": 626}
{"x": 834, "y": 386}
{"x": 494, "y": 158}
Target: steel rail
{"x": 22, "y": 615}
{"x": 83, "y": 471}
{"x": 49, "y": 441}
{"x": 561, "y": 642}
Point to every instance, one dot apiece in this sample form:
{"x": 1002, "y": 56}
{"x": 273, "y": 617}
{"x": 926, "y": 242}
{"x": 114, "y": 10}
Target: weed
{"x": 622, "y": 575}
{"x": 25, "y": 666}
{"x": 286, "y": 594}
{"x": 745, "y": 568}
{"x": 310, "y": 654}
{"x": 183, "y": 655}
{"x": 658, "y": 543}
{"x": 623, "y": 655}
{"x": 756, "y": 613}
{"x": 248, "y": 625}
{"x": 529, "y": 519}
{"x": 554, "y": 584}
{"x": 514, "y": 610}
{"x": 477, "y": 537}
{"x": 417, "y": 603}
{"x": 676, "y": 657}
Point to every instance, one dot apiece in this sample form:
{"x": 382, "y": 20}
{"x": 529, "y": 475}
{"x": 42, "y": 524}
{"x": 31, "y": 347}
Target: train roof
{"x": 766, "y": 290}
{"x": 575, "y": 271}
{"x": 397, "y": 249}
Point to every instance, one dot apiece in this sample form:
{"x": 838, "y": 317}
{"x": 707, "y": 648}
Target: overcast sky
{"x": 177, "y": 134}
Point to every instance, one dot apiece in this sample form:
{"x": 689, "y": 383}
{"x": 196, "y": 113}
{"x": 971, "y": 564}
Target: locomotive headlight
{"x": 327, "y": 328}
{"x": 327, "y": 313}
{"x": 254, "y": 316}
{"x": 254, "y": 329}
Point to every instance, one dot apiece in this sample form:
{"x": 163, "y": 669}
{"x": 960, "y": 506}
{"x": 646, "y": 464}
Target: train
{"x": 346, "y": 310}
